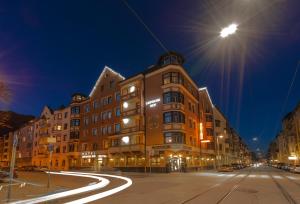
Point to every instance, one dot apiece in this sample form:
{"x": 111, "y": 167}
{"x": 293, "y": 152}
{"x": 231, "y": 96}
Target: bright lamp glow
{"x": 229, "y": 30}
{"x": 125, "y": 105}
{"x": 132, "y": 89}
{"x": 221, "y": 136}
{"x": 125, "y": 139}
{"x": 125, "y": 120}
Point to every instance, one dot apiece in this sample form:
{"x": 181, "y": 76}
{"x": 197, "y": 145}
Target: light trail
{"x": 102, "y": 183}
{"x": 105, "y": 193}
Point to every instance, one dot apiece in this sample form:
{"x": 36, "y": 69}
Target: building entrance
{"x": 176, "y": 164}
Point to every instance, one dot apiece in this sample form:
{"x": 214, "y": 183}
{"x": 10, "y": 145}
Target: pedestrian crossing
{"x": 254, "y": 176}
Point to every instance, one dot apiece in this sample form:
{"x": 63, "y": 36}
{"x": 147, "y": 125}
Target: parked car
{"x": 236, "y": 166}
{"x": 225, "y": 168}
{"x": 4, "y": 173}
{"x": 295, "y": 169}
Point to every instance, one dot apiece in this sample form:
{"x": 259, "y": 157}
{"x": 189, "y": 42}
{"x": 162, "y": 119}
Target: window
{"x": 115, "y": 142}
{"x": 118, "y": 96}
{"x": 170, "y": 60}
{"x": 209, "y": 118}
{"x": 109, "y": 114}
{"x": 117, "y": 128}
{"x": 190, "y": 106}
{"x": 104, "y": 130}
{"x": 65, "y": 137}
{"x": 174, "y": 137}
{"x": 104, "y": 101}
{"x": 75, "y": 122}
{"x": 74, "y": 135}
{"x": 118, "y": 112}
{"x": 87, "y": 108}
{"x": 111, "y": 83}
{"x": 95, "y": 104}
{"x": 102, "y": 88}
{"x": 65, "y": 126}
{"x": 71, "y": 148}
{"x": 64, "y": 149}
{"x": 95, "y": 146}
{"x": 209, "y": 131}
{"x": 66, "y": 114}
{"x": 174, "y": 117}
{"x": 218, "y": 123}
{"x": 173, "y": 77}
{"x": 109, "y": 129}
{"x": 94, "y": 118}
{"x": 63, "y": 163}
{"x": 193, "y": 108}
{"x": 172, "y": 96}
{"x": 109, "y": 100}
{"x": 86, "y": 121}
{"x": 104, "y": 115}
{"x": 75, "y": 110}
{"x": 94, "y": 131}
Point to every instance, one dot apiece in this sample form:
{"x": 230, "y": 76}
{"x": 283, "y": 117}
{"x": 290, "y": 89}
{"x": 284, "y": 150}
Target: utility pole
{"x": 50, "y": 149}
{"x": 12, "y": 166}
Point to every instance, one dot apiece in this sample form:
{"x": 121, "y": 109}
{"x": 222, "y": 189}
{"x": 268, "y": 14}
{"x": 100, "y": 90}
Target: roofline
{"x": 206, "y": 90}
{"x": 98, "y": 80}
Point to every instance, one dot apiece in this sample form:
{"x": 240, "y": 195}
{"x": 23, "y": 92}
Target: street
{"x": 250, "y": 185}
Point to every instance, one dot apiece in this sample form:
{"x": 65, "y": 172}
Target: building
{"x": 288, "y": 140}
{"x": 158, "y": 120}
{"x": 25, "y": 136}
{"x": 6, "y": 142}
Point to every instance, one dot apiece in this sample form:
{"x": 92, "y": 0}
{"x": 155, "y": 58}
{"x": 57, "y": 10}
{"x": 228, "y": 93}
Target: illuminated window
{"x": 94, "y": 131}
{"x": 174, "y": 137}
{"x": 132, "y": 89}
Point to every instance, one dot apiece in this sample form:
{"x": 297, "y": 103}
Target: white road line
{"x": 105, "y": 193}
{"x": 277, "y": 177}
{"x": 102, "y": 183}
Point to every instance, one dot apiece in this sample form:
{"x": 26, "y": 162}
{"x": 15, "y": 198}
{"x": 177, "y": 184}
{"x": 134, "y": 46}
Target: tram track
{"x": 283, "y": 191}
{"x": 219, "y": 185}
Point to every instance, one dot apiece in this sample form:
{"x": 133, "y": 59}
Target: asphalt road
{"x": 251, "y": 185}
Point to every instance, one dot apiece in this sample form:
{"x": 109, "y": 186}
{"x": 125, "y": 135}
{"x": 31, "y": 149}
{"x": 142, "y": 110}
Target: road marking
{"x": 105, "y": 193}
{"x": 252, "y": 176}
{"x": 264, "y": 176}
{"x": 277, "y": 177}
{"x": 102, "y": 183}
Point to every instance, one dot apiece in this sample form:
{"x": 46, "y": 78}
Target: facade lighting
{"x": 125, "y": 105}
{"x": 132, "y": 89}
{"x": 125, "y": 120}
{"x": 125, "y": 140}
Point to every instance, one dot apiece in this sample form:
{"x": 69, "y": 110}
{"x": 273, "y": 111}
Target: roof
{"x": 106, "y": 68}
{"x": 206, "y": 90}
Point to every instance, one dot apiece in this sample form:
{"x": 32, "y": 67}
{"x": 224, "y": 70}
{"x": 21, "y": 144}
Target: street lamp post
{"x": 50, "y": 147}
{"x": 12, "y": 166}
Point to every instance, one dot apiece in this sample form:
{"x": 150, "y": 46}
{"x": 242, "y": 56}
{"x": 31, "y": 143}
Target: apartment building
{"x": 6, "y": 142}
{"x": 25, "y": 136}
{"x": 288, "y": 140}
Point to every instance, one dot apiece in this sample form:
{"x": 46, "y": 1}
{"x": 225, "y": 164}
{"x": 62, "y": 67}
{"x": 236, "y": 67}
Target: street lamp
{"x": 229, "y": 30}
{"x": 218, "y": 149}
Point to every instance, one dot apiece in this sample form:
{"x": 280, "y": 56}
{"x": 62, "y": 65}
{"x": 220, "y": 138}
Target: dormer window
{"x": 171, "y": 58}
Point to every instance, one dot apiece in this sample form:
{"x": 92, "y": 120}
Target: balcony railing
{"x": 131, "y": 112}
{"x": 175, "y": 126}
{"x": 131, "y": 95}
{"x": 132, "y": 129}
{"x": 173, "y": 106}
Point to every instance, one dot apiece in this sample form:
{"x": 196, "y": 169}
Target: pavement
{"x": 251, "y": 185}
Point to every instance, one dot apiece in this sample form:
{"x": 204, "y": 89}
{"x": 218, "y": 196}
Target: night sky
{"x": 51, "y": 49}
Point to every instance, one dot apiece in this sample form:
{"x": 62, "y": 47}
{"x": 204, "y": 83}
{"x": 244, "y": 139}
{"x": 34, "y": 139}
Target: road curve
{"x": 102, "y": 183}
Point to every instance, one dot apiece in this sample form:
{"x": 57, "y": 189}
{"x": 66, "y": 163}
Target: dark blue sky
{"x": 48, "y": 50}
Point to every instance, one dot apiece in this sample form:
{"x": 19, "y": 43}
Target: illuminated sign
{"x": 201, "y": 131}
{"x": 152, "y": 103}
{"x": 88, "y": 154}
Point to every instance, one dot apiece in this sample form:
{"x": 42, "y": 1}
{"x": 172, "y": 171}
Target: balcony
{"x": 174, "y": 126}
{"x": 126, "y": 148}
{"x": 131, "y": 95}
{"x": 131, "y": 112}
{"x": 173, "y": 106}
{"x": 131, "y": 129}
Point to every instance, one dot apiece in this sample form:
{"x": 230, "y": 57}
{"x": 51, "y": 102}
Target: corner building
{"x": 148, "y": 122}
